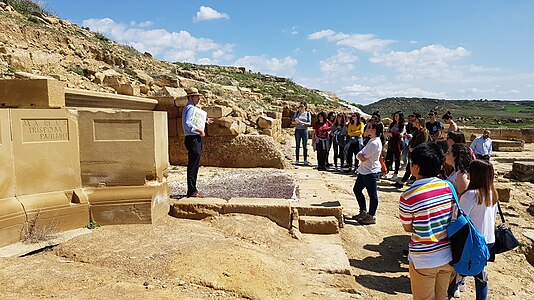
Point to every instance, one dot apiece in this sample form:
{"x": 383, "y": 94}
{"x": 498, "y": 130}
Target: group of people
{"x": 434, "y": 157}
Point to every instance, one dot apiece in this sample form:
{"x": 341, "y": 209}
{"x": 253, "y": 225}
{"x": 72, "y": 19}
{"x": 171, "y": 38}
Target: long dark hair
{"x": 481, "y": 176}
{"x": 462, "y": 157}
{"x": 319, "y": 119}
{"x": 343, "y": 120}
{"x": 358, "y": 118}
{"x": 401, "y": 121}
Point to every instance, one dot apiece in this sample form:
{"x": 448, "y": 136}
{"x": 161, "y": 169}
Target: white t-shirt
{"x": 372, "y": 152}
{"x": 483, "y": 217}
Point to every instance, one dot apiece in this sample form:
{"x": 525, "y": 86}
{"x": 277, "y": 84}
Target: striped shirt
{"x": 427, "y": 206}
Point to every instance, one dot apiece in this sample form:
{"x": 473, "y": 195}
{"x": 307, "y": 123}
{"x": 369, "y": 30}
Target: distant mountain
{"x": 481, "y": 113}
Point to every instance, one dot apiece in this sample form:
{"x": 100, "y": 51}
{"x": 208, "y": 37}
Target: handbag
{"x": 383, "y": 167}
{"x": 504, "y": 238}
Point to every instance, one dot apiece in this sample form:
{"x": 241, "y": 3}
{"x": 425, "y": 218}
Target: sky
{"x": 363, "y": 51}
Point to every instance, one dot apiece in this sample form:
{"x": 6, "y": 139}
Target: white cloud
{"x": 170, "y": 46}
{"x": 341, "y": 63}
{"x": 433, "y": 61}
{"x": 276, "y": 66}
{"x": 205, "y": 13}
{"x": 141, "y": 24}
{"x": 363, "y": 42}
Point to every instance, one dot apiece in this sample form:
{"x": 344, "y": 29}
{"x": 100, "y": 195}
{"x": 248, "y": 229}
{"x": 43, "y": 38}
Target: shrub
{"x": 27, "y": 7}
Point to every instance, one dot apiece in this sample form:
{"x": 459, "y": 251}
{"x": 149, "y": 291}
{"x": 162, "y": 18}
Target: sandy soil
{"x": 238, "y": 256}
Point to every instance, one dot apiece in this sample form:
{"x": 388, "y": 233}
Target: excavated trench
{"x": 239, "y": 183}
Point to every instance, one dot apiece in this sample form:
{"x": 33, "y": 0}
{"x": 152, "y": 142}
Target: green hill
{"x": 479, "y": 113}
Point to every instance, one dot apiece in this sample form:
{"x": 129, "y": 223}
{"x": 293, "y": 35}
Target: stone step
{"x": 318, "y": 225}
{"x": 321, "y": 209}
{"x": 277, "y": 210}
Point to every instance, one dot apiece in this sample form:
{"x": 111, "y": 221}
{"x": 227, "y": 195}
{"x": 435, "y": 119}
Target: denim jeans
{"x": 368, "y": 182}
{"x": 301, "y": 134}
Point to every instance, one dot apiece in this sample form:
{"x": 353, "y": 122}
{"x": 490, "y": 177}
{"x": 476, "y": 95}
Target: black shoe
{"x": 398, "y": 185}
{"x": 321, "y": 168}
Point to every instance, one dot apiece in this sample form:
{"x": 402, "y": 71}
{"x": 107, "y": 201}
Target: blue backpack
{"x": 469, "y": 250}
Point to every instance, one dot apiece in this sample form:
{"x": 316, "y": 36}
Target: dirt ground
{"x": 241, "y": 256}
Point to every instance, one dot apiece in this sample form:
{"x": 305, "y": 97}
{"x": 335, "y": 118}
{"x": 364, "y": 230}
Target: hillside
{"x": 33, "y": 42}
{"x": 479, "y": 113}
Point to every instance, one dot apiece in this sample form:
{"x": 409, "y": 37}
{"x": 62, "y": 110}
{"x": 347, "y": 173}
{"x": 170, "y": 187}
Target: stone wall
{"x": 525, "y": 134}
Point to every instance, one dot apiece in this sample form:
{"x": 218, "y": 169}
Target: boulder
{"x": 127, "y": 89}
{"x": 523, "y": 171}
{"x": 243, "y": 151}
{"x": 171, "y": 92}
{"x": 217, "y": 111}
{"x": 143, "y": 77}
{"x": 266, "y": 122}
{"x": 166, "y": 80}
{"x": 503, "y": 189}
{"x": 226, "y": 126}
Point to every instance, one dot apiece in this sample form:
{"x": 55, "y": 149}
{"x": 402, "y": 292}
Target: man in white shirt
{"x": 481, "y": 146}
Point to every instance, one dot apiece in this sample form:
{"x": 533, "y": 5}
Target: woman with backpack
{"x": 301, "y": 120}
{"x": 339, "y": 138}
{"x": 355, "y": 142}
{"x": 321, "y": 130}
{"x": 479, "y": 202}
{"x": 395, "y": 134}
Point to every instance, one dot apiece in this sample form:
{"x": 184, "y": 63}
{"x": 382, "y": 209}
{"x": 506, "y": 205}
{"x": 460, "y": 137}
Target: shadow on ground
{"x": 390, "y": 260}
{"x": 385, "y": 284}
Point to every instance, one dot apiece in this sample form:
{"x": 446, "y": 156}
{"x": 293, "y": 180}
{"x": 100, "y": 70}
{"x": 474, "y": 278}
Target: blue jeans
{"x": 481, "y": 282}
{"x": 301, "y": 134}
{"x": 368, "y": 182}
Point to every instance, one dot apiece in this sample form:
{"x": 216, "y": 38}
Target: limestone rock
{"x": 175, "y": 93}
{"x": 127, "y": 89}
{"x": 143, "y": 77}
{"x": 523, "y": 171}
{"x": 217, "y": 111}
{"x": 243, "y": 151}
{"x": 318, "y": 225}
{"x": 266, "y": 122}
{"x": 166, "y": 80}
{"x": 226, "y": 126}
{"x": 503, "y": 190}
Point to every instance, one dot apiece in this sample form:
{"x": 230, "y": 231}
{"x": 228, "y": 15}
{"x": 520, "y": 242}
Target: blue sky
{"x": 363, "y": 51}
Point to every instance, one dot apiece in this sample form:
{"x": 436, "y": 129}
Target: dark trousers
{"x": 301, "y": 135}
{"x": 339, "y": 153}
{"x": 321, "y": 147}
{"x": 193, "y": 144}
{"x": 353, "y": 147}
{"x": 367, "y": 182}
{"x": 392, "y": 156}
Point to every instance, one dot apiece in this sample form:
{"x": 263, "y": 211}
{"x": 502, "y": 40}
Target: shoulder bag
{"x": 504, "y": 238}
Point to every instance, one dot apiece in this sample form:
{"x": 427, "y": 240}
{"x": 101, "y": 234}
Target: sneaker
{"x": 462, "y": 287}
{"x": 321, "y": 168}
{"x": 394, "y": 177}
{"x": 360, "y": 216}
{"x": 297, "y": 162}
{"x": 456, "y": 293}
{"x": 368, "y": 220}
{"x": 398, "y": 184}
{"x": 336, "y": 169}
{"x": 306, "y": 163}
